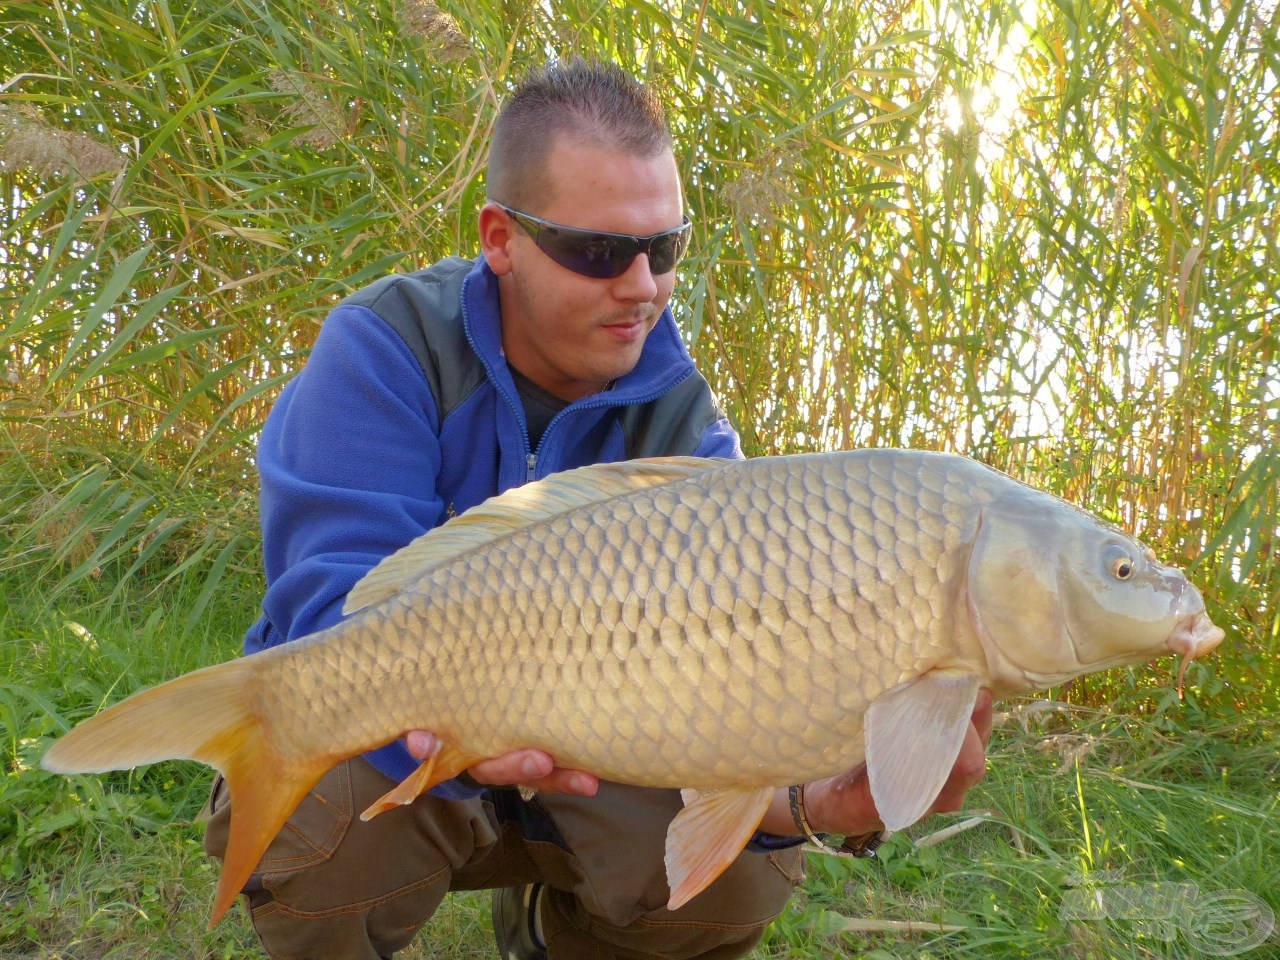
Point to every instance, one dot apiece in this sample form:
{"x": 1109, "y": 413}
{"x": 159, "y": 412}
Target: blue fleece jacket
{"x": 356, "y": 458}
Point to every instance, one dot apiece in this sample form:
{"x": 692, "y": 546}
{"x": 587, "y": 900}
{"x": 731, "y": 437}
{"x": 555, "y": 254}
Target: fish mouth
{"x": 1193, "y": 636}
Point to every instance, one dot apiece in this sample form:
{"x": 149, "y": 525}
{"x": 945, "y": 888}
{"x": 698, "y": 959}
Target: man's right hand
{"x": 531, "y": 768}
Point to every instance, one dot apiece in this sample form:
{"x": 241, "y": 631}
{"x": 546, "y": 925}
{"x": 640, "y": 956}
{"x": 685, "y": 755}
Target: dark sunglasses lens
{"x": 590, "y": 254}
{"x": 667, "y": 250}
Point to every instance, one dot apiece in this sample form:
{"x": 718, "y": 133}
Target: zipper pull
{"x": 530, "y": 464}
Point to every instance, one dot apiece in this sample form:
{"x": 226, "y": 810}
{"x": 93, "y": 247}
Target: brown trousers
{"x": 331, "y": 886}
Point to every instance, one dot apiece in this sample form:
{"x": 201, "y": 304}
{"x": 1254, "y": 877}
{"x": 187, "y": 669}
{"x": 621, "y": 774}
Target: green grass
{"x": 1075, "y": 799}
{"x": 1148, "y": 793}
{"x": 113, "y": 866}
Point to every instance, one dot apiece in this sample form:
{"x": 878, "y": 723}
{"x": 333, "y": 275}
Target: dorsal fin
{"x": 515, "y": 509}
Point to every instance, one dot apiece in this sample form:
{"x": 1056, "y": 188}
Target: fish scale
{"x": 730, "y": 627}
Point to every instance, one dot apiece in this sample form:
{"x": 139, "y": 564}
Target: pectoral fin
{"x": 708, "y": 835}
{"x": 913, "y": 735}
{"x": 445, "y": 764}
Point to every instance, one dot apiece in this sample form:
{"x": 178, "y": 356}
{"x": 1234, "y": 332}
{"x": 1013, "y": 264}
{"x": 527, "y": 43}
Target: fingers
{"x": 971, "y": 764}
{"x": 534, "y": 769}
{"x": 520, "y": 766}
{"x": 421, "y": 744}
{"x": 982, "y": 718}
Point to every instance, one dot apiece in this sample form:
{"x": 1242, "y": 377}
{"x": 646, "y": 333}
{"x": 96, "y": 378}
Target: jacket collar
{"x": 664, "y": 359}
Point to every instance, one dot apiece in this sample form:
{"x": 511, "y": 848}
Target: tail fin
{"x": 206, "y": 715}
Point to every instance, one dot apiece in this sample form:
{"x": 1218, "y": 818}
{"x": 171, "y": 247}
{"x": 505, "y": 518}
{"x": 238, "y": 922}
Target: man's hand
{"x": 527, "y": 768}
{"x": 842, "y": 804}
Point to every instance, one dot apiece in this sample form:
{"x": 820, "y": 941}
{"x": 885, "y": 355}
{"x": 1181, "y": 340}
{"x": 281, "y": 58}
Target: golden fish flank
{"x": 729, "y": 627}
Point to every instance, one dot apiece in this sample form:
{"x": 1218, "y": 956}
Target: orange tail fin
{"x": 206, "y": 715}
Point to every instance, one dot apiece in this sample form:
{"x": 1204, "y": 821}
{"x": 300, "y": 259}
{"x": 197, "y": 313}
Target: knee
{"x": 724, "y": 921}
{"x": 755, "y": 889}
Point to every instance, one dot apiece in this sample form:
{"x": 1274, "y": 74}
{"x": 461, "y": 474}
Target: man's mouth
{"x": 627, "y": 329}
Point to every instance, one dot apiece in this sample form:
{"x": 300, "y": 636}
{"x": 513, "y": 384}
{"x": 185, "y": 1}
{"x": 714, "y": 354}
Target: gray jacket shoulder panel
{"x": 675, "y": 423}
{"x": 425, "y": 309}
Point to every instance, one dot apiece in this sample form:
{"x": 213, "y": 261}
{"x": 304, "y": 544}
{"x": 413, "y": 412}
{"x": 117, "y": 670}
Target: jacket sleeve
{"x": 348, "y": 462}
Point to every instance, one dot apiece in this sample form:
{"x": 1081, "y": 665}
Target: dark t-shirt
{"x": 540, "y": 407}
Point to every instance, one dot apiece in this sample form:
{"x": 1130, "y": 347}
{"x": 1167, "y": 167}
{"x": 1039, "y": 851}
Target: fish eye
{"x": 1120, "y": 559}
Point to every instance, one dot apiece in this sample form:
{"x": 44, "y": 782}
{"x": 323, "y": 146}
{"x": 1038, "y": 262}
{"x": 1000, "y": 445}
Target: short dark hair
{"x": 591, "y": 101}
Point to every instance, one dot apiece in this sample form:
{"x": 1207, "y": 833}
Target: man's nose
{"x": 637, "y": 281}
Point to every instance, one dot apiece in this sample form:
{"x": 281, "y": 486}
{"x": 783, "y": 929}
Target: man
{"x": 424, "y": 395}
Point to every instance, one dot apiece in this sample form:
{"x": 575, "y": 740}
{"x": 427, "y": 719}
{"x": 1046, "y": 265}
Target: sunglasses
{"x": 598, "y": 254}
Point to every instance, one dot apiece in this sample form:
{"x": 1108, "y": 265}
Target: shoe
{"x": 516, "y": 925}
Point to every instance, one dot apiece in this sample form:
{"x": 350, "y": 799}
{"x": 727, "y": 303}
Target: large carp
{"x": 726, "y": 626}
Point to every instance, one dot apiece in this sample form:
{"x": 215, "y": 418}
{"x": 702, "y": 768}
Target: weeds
{"x": 1116, "y": 823}
{"x": 1018, "y": 232}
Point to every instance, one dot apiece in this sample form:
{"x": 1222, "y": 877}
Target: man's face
{"x": 568, "y": 333}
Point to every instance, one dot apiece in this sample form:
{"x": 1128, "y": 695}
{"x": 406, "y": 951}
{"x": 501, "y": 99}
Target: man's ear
{"x": 496, "y": 231}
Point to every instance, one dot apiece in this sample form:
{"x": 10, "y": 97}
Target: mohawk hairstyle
{"x": 587, "y": 101}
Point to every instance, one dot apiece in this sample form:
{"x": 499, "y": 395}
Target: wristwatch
{"x": 862, "y": 845}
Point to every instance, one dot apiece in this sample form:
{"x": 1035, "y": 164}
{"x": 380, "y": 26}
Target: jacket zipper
{"x": 530, "y": 458}
{"x": 598, "y": 400}
{"x": 604, "y": 399}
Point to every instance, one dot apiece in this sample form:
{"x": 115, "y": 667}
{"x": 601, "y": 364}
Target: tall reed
{"x": 1044, "y": 235}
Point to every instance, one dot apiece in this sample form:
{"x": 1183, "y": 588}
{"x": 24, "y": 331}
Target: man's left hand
{"x": 842, "y": 804}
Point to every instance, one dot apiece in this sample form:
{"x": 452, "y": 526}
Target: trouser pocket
{"x": 310, "y": 836}
{"x": 331, "y": 886}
